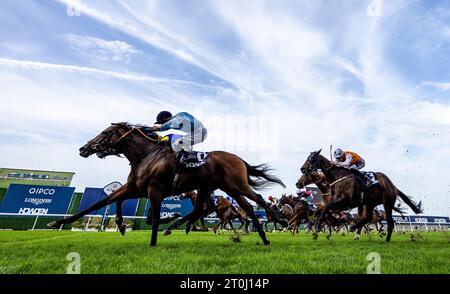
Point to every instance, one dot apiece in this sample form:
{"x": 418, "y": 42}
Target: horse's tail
{"x": 399, "y": 210}
{"x": 259, "y": 176}
{"x": 417, "y": 208}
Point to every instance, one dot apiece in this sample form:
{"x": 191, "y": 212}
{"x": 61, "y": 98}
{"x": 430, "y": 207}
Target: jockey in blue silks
{"x": 194, "y": 130}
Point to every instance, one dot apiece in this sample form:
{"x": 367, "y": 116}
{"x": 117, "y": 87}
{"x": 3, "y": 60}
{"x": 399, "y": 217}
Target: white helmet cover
{"x": 338, "y": 153}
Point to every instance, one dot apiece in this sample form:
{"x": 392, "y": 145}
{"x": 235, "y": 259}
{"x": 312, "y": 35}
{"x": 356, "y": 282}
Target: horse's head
{"x": 221, "y": 202}
{"x": 283, "y": 200}
{"x": 314, "y": 162}
{"x": 105, "y": 143}
{"x": 310, "y": 178}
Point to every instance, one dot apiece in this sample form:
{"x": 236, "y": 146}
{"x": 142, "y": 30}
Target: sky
{"x": 270, "y": 80}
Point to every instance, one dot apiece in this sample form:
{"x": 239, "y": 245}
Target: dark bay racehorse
{"x": 301, "y": 211}
{"x": 349, "y": 194}
{"x": 345, "y": 218}
{"x": 283, "y": 211}
{"x": 153, "y": 167}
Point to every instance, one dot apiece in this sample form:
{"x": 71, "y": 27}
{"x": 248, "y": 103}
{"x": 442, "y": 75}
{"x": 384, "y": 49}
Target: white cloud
{"x": 437, "y": 85}
{"x": 102, "y": 49}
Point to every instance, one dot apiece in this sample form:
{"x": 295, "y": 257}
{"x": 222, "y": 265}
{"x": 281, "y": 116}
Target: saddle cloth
{"x": 194, "y": 160}
{"x": 370, "y": 178}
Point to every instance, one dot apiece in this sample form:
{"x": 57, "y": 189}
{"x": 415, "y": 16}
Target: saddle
{"x": 187, "y": 162}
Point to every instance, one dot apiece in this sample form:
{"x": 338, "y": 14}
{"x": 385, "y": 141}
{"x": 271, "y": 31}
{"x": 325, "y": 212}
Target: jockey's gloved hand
{"x": 156, "y": 127}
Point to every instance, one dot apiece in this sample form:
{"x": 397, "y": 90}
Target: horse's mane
{"x": 125, "y": 125}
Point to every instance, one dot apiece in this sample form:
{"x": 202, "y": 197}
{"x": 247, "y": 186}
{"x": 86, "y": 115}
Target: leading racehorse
{"x": 153, "y": 168}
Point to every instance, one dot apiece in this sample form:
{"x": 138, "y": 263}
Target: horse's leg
{"x": 217, "y": 226}
{"x": 249, "y": 193}
{"x": 247, "y": 223}
{"x": 202, "y": 196}
{"x": 367, "y": 217}
{"x": 237, "y": 195}
{"x": 242, "y": 223}
{"x": 389, "y": 220}
{"x": 230, "y": 222}
{"x": 202, "y": 222}
{"x": 265, "y": 226}
{"x": 122, "y": 192}
{"x": 338, "y": 204}
{"x": 196, "y": 213}
{"x": 156, "y": 199}
{"x": 119, "y": 218}
{"x": 358, "y": 231}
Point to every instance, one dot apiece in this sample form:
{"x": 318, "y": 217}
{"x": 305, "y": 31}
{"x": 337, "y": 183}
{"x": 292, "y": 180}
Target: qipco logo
{"x": 41, "y": 191}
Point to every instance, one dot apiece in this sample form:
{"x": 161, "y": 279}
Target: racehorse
{"x": 208, "y": 208}
{"x": 345, "y": 219}
{"x": 153, "y": 169}
{"x": 283, "y": 211}
{"x": 226, "y": 213}
{"x": 300, "y": 211}
{"x": 349, "y": 193}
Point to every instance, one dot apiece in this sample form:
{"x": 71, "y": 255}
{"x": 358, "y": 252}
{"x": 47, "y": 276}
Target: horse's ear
{"x": 318, "y": 152}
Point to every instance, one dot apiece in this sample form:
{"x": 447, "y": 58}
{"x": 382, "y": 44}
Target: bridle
{"x": 111, "y": 149}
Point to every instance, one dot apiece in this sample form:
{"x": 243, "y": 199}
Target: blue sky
{"x": 271, "y": 80}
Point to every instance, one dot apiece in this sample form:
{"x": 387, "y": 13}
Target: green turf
{"x": 46, "y": 252}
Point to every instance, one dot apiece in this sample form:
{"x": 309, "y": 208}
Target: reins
{"x": 140, "y": 131}
{"x": 338, "y": 180}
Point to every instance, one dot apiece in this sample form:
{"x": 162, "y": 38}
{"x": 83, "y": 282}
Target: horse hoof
{"x": 167, "y": 232}
{"x": 267, "y": 243}
{"x": 122, "y": 230}
{"x": 356, "y": 238}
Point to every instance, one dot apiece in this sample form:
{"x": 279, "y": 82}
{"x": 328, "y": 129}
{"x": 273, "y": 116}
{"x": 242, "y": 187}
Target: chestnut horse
{"x": 349, "y": 194}
{"x": 153, "y": 169}
{"x": 226, "y": 213}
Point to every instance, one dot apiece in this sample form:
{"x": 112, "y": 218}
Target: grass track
{"x": 46, "y": 251}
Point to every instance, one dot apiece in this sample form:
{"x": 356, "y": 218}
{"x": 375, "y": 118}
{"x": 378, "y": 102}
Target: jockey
{"x": 232, "y": 201}
{"x": 273, "y": 200}
{"x": 348, "y": 159}
{"x": 352, "y": 160}
{"x": 194, "y": 130}
{"x": 306, "y": 197}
